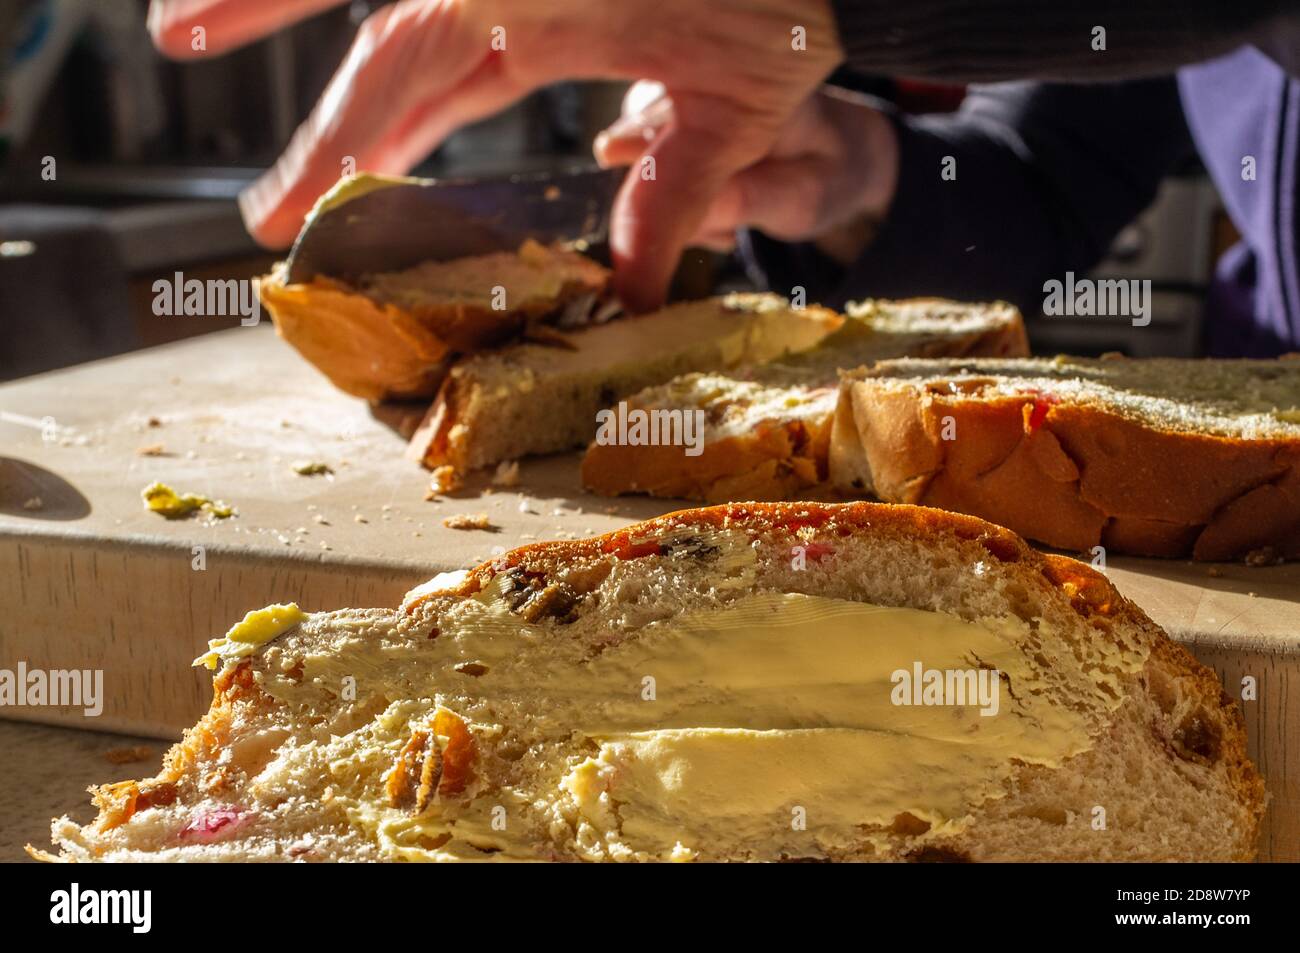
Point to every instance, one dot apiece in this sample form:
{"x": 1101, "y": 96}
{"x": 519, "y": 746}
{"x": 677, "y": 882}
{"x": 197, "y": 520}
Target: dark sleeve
{"x": 993, "y": 40}
{"x": 1046, "y": 176}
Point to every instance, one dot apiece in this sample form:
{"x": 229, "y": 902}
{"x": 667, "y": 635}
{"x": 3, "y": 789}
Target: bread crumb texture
{"x": 467, "y": 521}
{"x": 714, "y": 685}
{"x": 767, "y": 426}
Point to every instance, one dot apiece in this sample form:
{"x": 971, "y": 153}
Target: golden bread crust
{"x": 1070, "y": 474}
{"x": 778, "y": 459}
{"x": 378, "y": 349}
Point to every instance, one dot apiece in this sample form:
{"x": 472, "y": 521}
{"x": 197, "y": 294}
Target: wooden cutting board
{"x": 90, "y": 580}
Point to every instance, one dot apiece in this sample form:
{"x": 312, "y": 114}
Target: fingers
{"x": 631, "y": 134}
{"x": 416, "y": 71}
{"x": 189, "y": 28}
{"x": 668, "y": 191}
{"x": 641, "y": 95}
{"x": 699, "y": 187}
{"x": 833, "y": 166}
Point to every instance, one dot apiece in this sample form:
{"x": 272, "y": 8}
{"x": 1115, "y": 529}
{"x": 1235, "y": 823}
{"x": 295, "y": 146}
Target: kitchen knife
{"x": 369, "y": 223}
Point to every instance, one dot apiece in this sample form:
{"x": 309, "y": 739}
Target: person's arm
{"x": 735, "y": 70}
{"x": 1045, "y": 176}
{"x": 993, "y": 40}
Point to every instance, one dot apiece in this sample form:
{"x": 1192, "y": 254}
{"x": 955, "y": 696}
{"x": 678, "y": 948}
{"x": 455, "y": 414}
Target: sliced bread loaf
{"x": 1157, "y": 457}
{"x": 535, "y": 398}
{"x": 393, "y": 334}
{"x": 725, "y": 684}
{"x": 766, "y": 428}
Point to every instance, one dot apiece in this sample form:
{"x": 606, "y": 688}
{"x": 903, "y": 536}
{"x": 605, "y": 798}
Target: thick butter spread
{"x": 767, "y": 723}
{"x": 256, "y": 628}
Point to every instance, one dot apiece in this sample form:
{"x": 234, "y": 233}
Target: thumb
{"x": 786, "y": 198}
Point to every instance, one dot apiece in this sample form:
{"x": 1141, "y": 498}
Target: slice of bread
{"x": 767, "y": 429}
{"x": 534, "y": 398}
{"x": 1156, "y": 457}
{"x": 718, "y": 684}
{"x": 393, "y": 334}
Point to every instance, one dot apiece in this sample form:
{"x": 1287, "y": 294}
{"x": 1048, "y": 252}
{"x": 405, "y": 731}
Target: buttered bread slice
{"x": 1157, "y": 457}
{"x": 766, "y": 428}
{"x": 763, "y": 682}
{"x": 393, "y": 334}
{"x": 535, "y": 398}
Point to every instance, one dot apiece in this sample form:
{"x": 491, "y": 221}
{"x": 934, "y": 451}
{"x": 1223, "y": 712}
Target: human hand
{"x": 829, "y": 176}
{"x": 735, "y": 71}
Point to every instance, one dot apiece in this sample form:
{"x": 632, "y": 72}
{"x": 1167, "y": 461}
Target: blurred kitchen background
{"x": 148, "y": 156}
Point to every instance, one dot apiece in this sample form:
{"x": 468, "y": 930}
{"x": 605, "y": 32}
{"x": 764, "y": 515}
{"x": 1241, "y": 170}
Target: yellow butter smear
{"x": 256, "y": 628}
{"x": 162, "y": 499}
{"x": 776, "y": 718}
{"x": 761, "y": 728}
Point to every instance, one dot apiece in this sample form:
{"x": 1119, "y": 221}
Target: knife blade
{"x": 370, "y": 223}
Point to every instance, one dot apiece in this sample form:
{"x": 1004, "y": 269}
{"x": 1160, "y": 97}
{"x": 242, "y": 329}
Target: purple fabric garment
{"x": 1238, "y": 106}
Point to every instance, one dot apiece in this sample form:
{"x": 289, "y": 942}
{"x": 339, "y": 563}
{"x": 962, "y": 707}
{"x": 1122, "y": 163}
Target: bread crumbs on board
{"x": 468, "y": 521}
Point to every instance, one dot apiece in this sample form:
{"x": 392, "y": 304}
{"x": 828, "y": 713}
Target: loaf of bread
{"x": 766, "y": 428}
{"x": 394, "y": 334}
{"x": 740, "y": 683}
{"x": 1156, "y": 457}
{"x": 534, "y": 398}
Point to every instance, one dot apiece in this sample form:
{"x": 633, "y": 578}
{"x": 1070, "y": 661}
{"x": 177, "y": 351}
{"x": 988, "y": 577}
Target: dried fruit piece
{"x": 457, "y": 755}
{"x": 416, "y": 772}
{"x": 1035, "y": 414}
{"x": 207, "y": 826}
{"x": 556, "y": 600}
{"x": 437, "y": 760}
{"x": 116, "y": 803}
{"x": 119, "y": 802}
{"x": 430, "y": 775}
